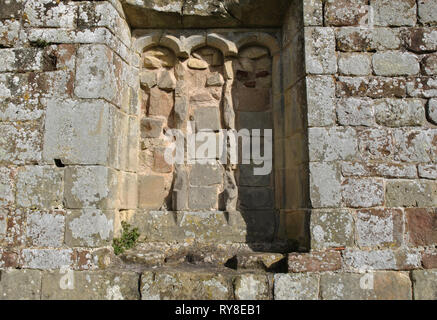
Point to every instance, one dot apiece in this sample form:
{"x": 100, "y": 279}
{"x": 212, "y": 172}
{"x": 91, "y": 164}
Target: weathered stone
{"x": 404, "y": 193}
{"x": 197, "y": 64}
{"x": 207, "y": 118}
{"x": 7, "y": 187}
{"x": 46, "y": 258}
{"x": 376, "y": 144}
{"x": 379, "y": 227}
{"x": 332, "y": 144}
{"x": 381, "y": 259}
{"x": 74, "y": 127}
{"x": 314, "y": 261}
{"x": 202, "y": 198}
{"x": 160, "y": 102}
{"x": 422, "y": 87}
{"x": 9, "y": 32}
{"x": 20, "y": 143}
{"x": 159, "y": 57}
{"x": 205, "y": 175}
{"x": 21, "y": 60}
{"x": 39, "y": 186}
{"x": 89, "y": 227}
{"x": 151, "y": 127}
{"x": 166, "y": 80}
{"x": 424, "y": 284}
{"x": 356, "y": 64}
{"x": 355, "y": 112}
{"x": 429, "y": 64}
{"x": 215, "y": 80}
{"x": 160, "y": 164}
{"x": 366, "y": 286}
{"x": 414, "y": 145}
{"x": 359, "y": 193}
{"x": 47, "y": 14}
{"x": 325, "y": 185}
{"x": 331, "y": 229}
{"x": 67, "y": 284}
{"x": 313, "y": 13}
{"x": 429, "y": 260}
{"x": 45, "y": 228}
{"x": 395, "y": 64}
{"x": 428, "y": 171}
{"x": 252, "y": 287}
{"x": 373, "y": 87}
{"x": 421, "y": 226}
{"x": 151, "y": 191}
{"x": 180, "y": 285}
{"x": 180, "y": 189}
{"x": 296, "y": 286}
{"x": 90, "y": 187}
{"x": 320, "y": 51}
{"x": 320, "y": 100}
{"x": 427, "y": 12}
{"x": 148, "y": 79}
{"x": 20, "y": 285}
{"x": 397, "y": 113}
{"x": 388, "y": 170}
{"x": 422, "y": 39}
{"x": 346, "y": 13}
{"x": 388, "y": 13}
{"x": 95, "y": 77}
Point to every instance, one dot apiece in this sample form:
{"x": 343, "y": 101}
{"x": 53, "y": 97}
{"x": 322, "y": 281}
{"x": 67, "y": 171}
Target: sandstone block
{"x": 425, "y": 284}
{"x": 90, "y": 187}
{"x": 325, "y": 185}
{"x": 422, "y": 87}
{"x": 428, "y": 171}
{"x": 252, "y": 287}
{"x": 366, "y": 192}
{"x": 46, "y": 259}
{"x": 366, "y": 286}
{"x": 395, "y": 64}
{"x": 320, "y": 100}
{"x": 87, "y": 285}
{"x": 206, "y": 174}
{"x": 320, "y": 51}
{"x": 20, "y": 285}
{"x": 184, "y": 285}
{"x": 346, "y": 13}
{"x": 421, "y": 226}
{"x": 89, "y": 227}
{"x": 40, "y": 186}
{"x": 95, "y": 77}
{"x": 414, "y": 145}
{"x": 75, "y": 127}
{"x": 202, "y": 198}
{"x": 207, "y": 118}
{"x": 332, "y": 144}
{"x": 45, "y": 228}
{"x": 389, "y": 13}
{"x": 7, "y": 187}
{"x": 331, "y": 229}
{"x": 296, "y": 286}
{"x": 398, "y": 113}
{"x": 427, "y": 12}
{"x": 429, "y": 64}
{"x": 422, "y": 39}
{"x": 151, "y": 191}
{"x": 413, "y": 193}
{"x": 379, "y": 227}
{"x": 314, "y": 261}
{"x": 355, "y": 112}
{"x": 356, "y": 64}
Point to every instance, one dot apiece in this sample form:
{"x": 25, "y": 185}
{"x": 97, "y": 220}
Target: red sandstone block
{"x": 429, "y": 260}
{"x": 421, "y": 226}
{"x": 314, "y": 261}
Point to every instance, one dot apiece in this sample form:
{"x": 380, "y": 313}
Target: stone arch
{"x": 227, "y": 47}
{"x": 165, "y": 40}
{"x": 261, "y": 39}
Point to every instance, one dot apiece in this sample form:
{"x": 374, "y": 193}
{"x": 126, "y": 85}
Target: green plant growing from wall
{"x": 128, "y": 239}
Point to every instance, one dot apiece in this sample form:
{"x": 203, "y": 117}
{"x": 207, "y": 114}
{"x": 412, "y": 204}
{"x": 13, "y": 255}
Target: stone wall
{"x": 353, "y": 109}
